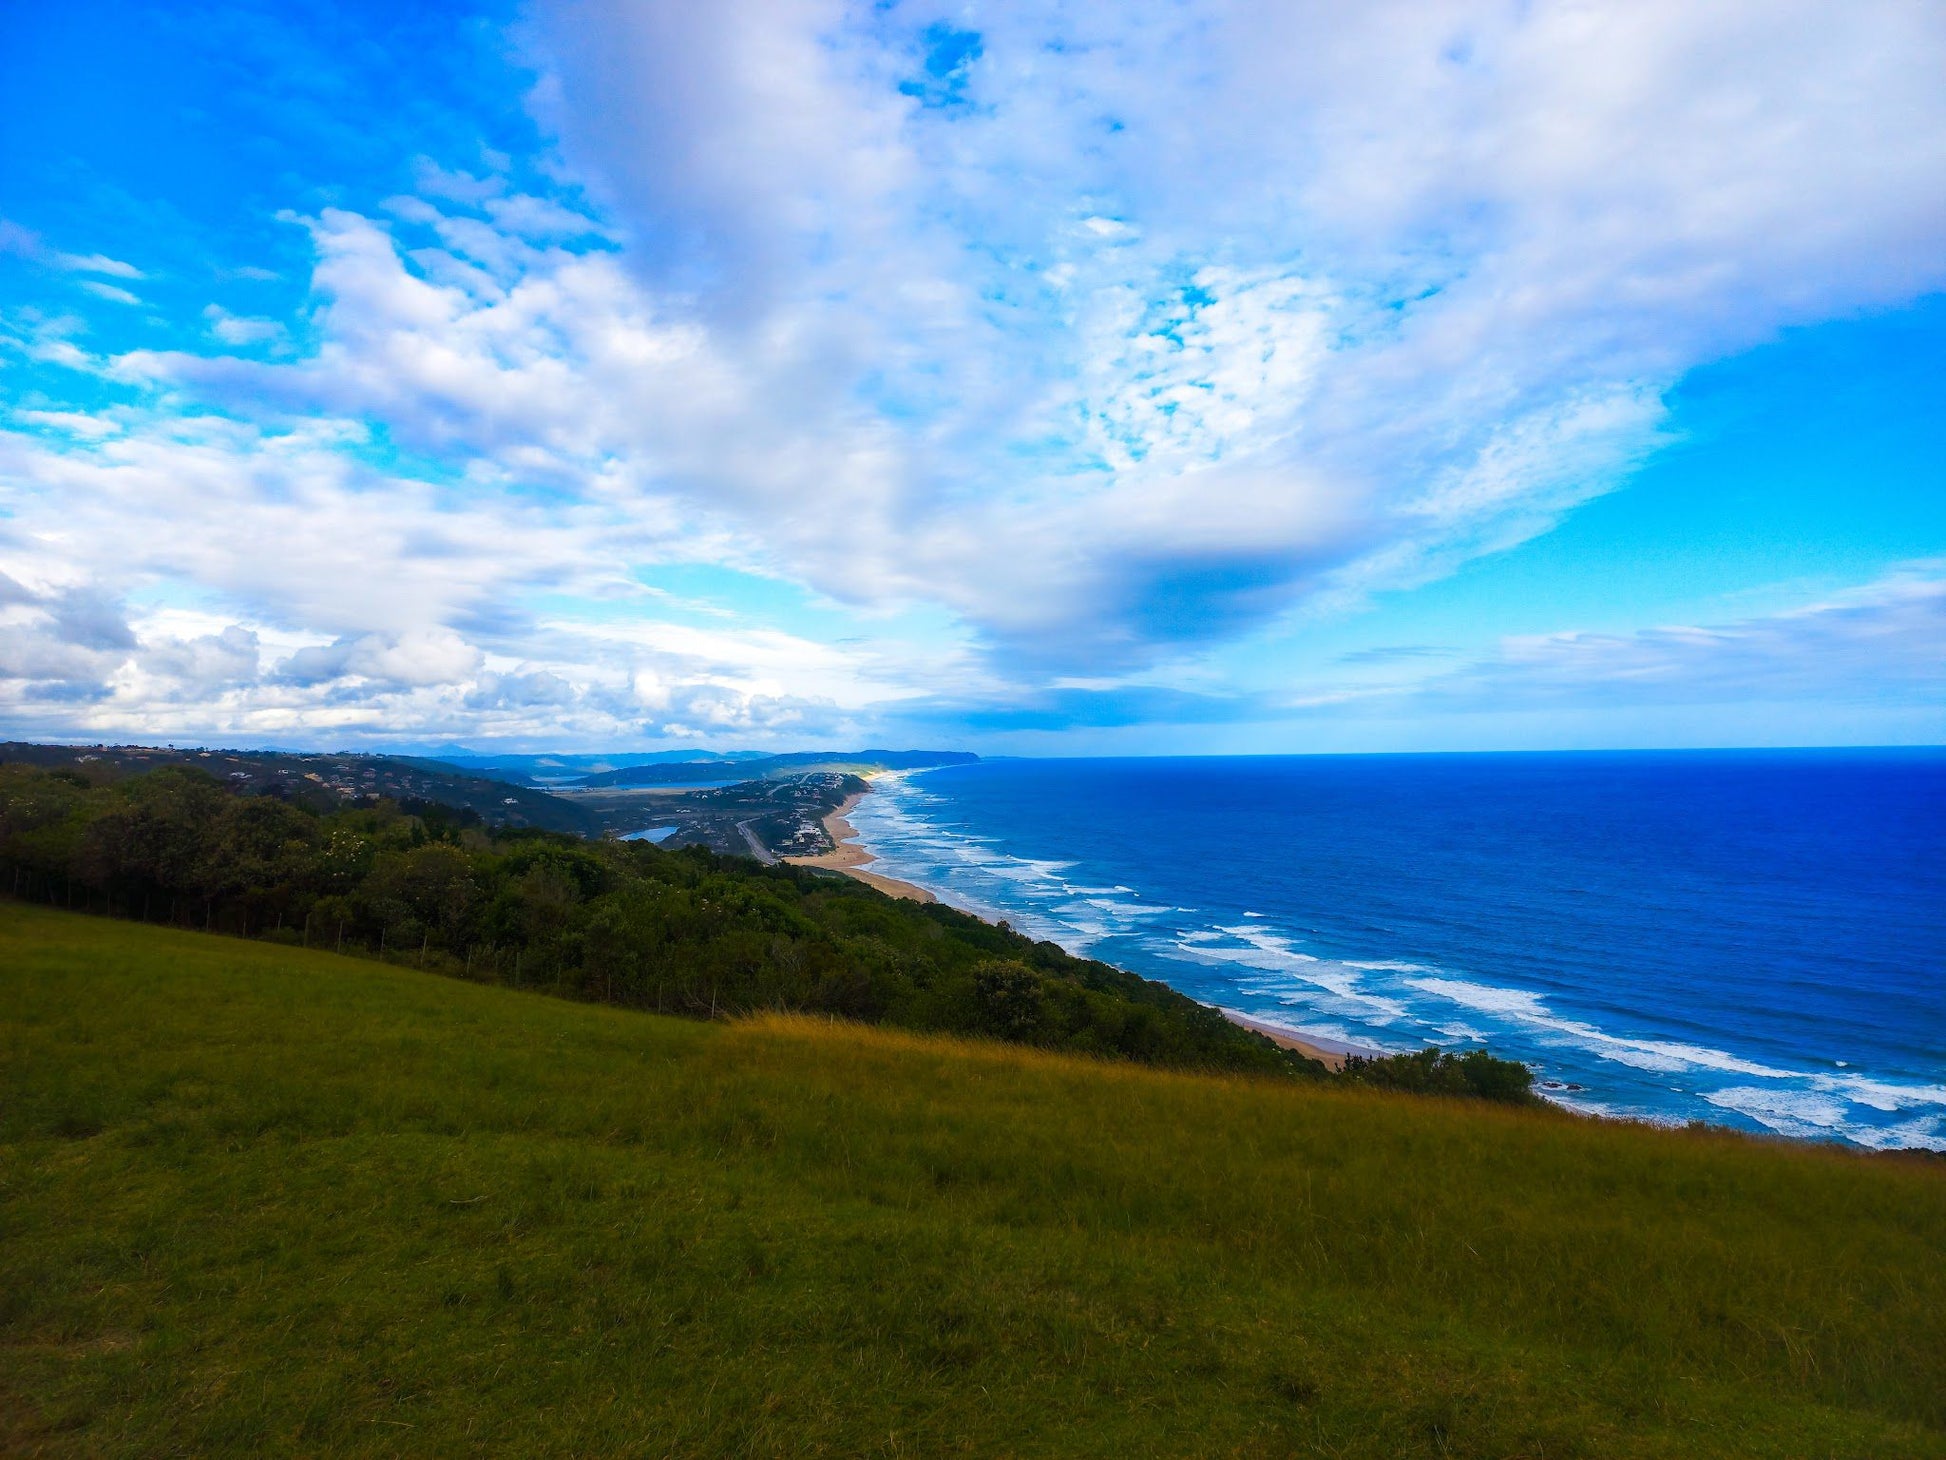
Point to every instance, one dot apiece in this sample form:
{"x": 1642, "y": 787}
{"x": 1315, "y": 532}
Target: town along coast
{"x": 848, "y": 855}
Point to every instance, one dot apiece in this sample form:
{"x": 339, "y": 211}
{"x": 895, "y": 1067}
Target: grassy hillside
{"x": 260, "y": 1200}
{"x": 622, "y": 923}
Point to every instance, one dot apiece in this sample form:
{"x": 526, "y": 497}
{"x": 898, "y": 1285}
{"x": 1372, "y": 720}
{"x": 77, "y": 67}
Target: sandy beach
{"x": 1331, "y": 1055}
{"x": 852, "y": 859}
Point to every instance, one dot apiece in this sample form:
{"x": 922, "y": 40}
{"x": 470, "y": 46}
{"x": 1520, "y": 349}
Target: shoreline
{"x": 1330, "y": 1053}
{"x": 851, "y": 858}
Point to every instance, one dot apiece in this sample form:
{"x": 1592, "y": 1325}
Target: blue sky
{"x": 1435, "y": 374}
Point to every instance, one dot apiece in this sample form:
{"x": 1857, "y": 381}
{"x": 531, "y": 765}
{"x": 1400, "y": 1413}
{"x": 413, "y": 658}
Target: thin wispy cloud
{"x": 1872, "y": 644}
{"x": 25, "y": 243}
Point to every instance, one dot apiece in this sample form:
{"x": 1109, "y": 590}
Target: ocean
{"x": 1755, "y": 938}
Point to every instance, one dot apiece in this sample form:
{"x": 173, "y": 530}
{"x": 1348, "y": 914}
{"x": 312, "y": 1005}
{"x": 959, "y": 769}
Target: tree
{"x": 1010, "y": 999}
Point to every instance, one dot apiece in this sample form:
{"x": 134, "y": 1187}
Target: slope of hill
{"x": 324, "y": 781}
{"x": 711, "y": 796}
{"x": 621, "y": 922}
{"x": 262, "y": 1200}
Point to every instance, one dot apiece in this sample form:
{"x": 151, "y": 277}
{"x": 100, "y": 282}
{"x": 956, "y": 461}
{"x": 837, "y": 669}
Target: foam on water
{"x": 1598, "y": 1042}
{"x": 1032, "y": 894}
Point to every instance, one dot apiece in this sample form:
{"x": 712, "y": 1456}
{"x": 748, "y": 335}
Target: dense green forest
{"x": 685, "y": 932}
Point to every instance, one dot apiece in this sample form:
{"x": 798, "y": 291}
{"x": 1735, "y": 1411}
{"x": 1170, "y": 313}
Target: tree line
{"x": 676, "y": 932}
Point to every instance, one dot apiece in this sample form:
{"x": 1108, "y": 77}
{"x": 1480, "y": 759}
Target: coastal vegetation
{"x": 680, "y": 932}
{"x": 258, "y": 1199}
{"x": 686, "y": 932}
{"x": 323, "y": 782}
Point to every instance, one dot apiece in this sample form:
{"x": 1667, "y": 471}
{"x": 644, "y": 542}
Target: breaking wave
{"x": 1592, "y": 1050}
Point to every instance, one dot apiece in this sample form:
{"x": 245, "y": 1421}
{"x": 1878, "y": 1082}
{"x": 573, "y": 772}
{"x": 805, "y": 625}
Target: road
{"x": 757, "y": 848}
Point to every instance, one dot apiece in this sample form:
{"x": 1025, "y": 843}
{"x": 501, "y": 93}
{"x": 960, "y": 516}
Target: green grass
{"x": 255, "y": 1200}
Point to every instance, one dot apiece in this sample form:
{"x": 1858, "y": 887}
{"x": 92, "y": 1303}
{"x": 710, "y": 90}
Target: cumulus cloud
{"x": 63, "y": 639}
{"x": 209, "y": 661}
{"x": 86, "y": 618}
{"x": 534, "y": 688}
{"x": 402, "y": 661}
{"x": 344, "y": 599}
{"x": 1100, "y": 332}
{"x": 1182, "y": 314}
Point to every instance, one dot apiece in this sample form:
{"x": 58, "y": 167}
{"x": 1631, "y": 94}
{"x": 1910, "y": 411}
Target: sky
{"x": 1037, "y": 378}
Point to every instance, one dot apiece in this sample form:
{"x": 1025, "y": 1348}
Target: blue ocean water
{"x": 1752, "y": 938}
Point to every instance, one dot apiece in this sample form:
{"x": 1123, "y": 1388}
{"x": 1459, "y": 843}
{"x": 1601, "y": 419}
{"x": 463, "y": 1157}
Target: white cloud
{"x": 95, "y": 263}
{"x": 1877, "y": 644}
{"x": 210, "y": 662}
{"x": 65, "y": 638}
{"x": 338, "y": 597}
{"x": 1189, "y": 312}
{"x": 234, "y": 330}
{"x": 74, "y": 423}
{"x": 109, "y": 292}
{"x": 26, "y": 243}
{"x": 1148, "y": 327}
{"x": 1883, "y": 641}
{"x": 529, "y": 689}
{"x": 412, "y": 660}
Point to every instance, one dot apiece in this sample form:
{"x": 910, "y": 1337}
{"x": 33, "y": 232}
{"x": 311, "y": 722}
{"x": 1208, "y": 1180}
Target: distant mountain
{"x": 758, "y": 767}
{"x": 554, "y": 770}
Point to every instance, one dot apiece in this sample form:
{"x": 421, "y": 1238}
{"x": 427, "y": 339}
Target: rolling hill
{"x": 258, "y": 1199}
